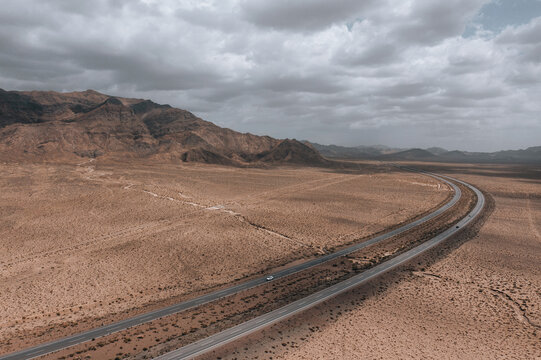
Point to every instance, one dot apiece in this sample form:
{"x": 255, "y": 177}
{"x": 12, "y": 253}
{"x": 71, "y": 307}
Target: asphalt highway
{"x": 236, "y": 332}
{"x": 105, "y": 330}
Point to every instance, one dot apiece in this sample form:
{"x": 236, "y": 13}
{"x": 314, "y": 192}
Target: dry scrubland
{"x": 480, "y": 299}
{"x": 82, "y": 244}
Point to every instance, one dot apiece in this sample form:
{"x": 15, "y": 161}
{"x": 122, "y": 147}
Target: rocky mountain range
{"x": 436, "y": 154}
{"x": 52, "y": 126}
{"x": 48, "y": 125}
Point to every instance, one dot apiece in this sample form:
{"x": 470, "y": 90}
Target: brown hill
{"x": 294, "y": 152}
{"x": 52, "y": 126}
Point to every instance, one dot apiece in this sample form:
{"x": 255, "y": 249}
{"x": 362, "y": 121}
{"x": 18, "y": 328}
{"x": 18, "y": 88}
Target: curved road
{"x": 105, "y": 330}
{"x": 241, "y": 330}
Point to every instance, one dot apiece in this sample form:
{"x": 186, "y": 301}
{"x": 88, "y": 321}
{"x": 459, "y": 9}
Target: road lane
{"x": 251, "y": 326}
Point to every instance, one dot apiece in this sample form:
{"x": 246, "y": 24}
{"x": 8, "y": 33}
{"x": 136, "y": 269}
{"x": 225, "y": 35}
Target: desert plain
{"x": 89, "y": 243}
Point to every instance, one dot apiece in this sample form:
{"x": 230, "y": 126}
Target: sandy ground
{"x": 82, "y": 242}
{"x": 481, "y": 300}
{"x": 171, "y": 332}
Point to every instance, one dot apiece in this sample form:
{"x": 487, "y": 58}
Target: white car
{"x": 270, "y": 277}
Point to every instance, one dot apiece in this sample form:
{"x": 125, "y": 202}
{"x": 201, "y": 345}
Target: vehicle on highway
{"x": 270, "y": 277}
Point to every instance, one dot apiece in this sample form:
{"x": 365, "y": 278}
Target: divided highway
{"x": 82, "y": 337}
{"x": 251, "y": 326}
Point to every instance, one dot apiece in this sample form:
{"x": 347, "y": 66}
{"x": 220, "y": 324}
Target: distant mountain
{"x": 437, "y": 150}
{"x": 529, "y": 155}
{"x": 412, "y": 154}
{"x": 49, "y": 125}
{"x": 357, "y": 152}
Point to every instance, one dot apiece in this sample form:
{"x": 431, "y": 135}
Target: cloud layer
{"x": 346, "y": 71}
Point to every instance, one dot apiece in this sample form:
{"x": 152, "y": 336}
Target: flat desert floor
{"x": 89, "y": 243}
{"x": 480, "y": 299}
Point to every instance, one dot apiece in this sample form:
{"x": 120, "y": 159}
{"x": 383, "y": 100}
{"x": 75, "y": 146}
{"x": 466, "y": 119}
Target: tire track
{"x": 519, "y": 311}
{"x": 531, "y": 220}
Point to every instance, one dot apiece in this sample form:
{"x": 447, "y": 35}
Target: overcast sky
{"x": 461, "y": 74}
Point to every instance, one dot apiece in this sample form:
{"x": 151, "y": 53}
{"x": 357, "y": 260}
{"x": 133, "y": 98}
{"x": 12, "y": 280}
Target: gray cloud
{"x": 302, "y": 15}
{"x": 429, "y": 22}
{"x": 373, "y": 54}
{"x": 346, "y": 71}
